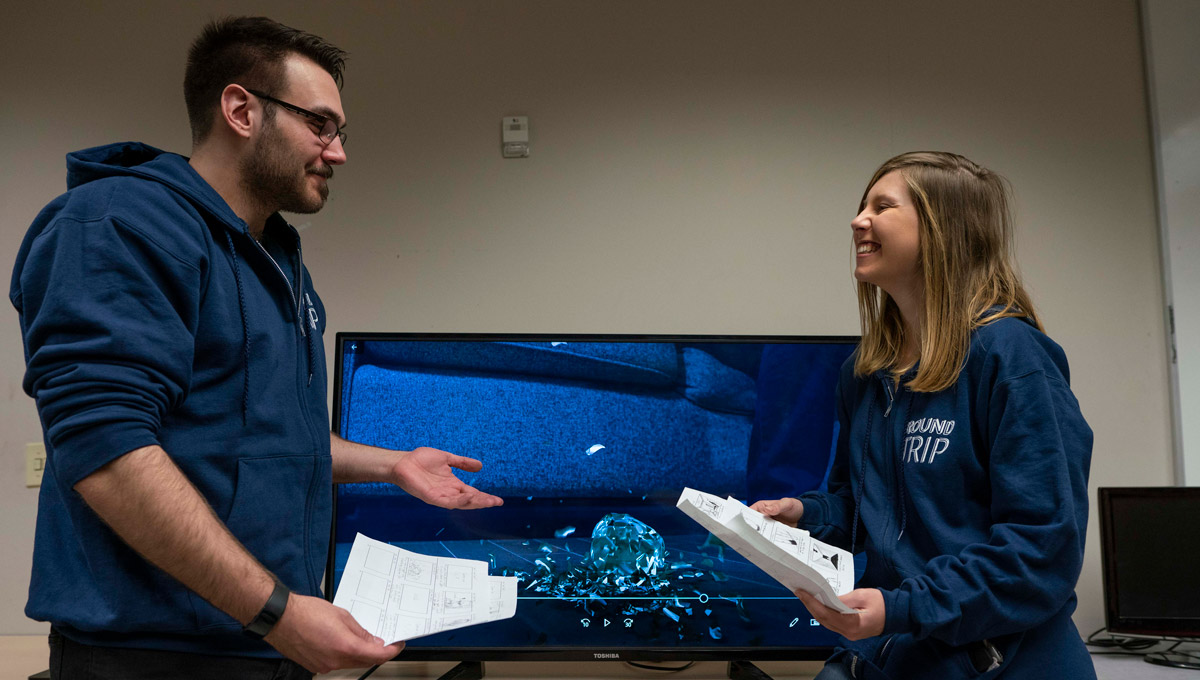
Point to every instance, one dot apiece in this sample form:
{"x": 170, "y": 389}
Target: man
{"x": 172, "y": 341}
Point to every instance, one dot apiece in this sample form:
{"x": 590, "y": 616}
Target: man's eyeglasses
{"x": 328, "y": 128}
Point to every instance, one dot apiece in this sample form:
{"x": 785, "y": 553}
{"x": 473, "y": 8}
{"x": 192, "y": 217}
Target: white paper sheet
{"x": 399, "y": 595}
{"x": 789, "y": 555}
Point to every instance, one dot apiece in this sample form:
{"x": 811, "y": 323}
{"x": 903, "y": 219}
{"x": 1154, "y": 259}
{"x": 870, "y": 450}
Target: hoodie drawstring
{"x": 312, "y": 330}
{"x": 303, "y": 315}
{"x": 903, "y": 478}
{"x": 237, "y": 275}
{"x": 862, "y": 479}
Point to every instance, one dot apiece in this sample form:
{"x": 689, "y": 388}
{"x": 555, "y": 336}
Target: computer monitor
{"x": 574, "y": 431}
{"x": 1150, "y": 549}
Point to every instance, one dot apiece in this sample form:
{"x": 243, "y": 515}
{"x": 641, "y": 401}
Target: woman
{"x": 962, "y": 457}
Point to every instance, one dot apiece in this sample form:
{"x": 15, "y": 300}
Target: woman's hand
{"x": 786, "y": 510}
{"x": 868, "y": 622}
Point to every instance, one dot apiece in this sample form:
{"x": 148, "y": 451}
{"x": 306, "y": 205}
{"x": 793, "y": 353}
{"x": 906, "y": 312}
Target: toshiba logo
{"x": 606, "y": 655}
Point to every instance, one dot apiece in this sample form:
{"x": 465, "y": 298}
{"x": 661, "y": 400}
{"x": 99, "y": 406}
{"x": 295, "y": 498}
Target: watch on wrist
{"x": 271, "y": 612}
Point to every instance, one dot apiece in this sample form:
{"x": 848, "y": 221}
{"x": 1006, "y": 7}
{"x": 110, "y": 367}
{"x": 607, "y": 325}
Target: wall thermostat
{"x": 514, "y": 136}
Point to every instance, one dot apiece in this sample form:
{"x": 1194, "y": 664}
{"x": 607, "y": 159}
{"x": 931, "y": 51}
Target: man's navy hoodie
{"x": 151, "y": 316}
{"x": 971, "y": 504}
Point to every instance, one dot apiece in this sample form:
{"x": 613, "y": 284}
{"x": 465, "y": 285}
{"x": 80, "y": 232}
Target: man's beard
{"x": 271, "y": 178}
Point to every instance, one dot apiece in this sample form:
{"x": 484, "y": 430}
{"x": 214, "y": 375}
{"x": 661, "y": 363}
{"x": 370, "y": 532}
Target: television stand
{"x": 473, "y": 670}
{"x": 744, "y": 670}
{"x": 464, "y": 670}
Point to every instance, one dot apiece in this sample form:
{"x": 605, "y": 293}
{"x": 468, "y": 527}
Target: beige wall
{"x": 694, "y": 168}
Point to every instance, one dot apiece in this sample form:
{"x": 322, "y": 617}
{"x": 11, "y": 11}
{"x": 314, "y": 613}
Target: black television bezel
{"x": 644, "y": 654}
{"x": 1114, "y": 621}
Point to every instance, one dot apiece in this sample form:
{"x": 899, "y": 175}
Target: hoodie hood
{"x": 110, "y": 160}
{"x": 134, "y": 159}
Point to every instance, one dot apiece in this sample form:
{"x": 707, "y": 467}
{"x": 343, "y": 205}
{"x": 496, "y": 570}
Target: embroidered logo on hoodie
{"x": 926, "y": 439}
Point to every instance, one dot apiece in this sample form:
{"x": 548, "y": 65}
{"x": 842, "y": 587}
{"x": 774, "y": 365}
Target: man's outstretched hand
{"x": 425, "y": 472}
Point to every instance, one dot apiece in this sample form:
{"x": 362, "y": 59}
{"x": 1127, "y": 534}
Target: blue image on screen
{"x": 590, "y": 442}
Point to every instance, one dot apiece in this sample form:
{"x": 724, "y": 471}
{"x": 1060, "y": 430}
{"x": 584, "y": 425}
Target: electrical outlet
{"x": 35, "y": 463}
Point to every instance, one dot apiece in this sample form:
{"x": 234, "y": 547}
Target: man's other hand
{"x": 322, "y": 637}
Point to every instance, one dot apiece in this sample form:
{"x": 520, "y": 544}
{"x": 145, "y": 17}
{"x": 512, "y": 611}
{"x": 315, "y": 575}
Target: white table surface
{"x": 24, "y": 655}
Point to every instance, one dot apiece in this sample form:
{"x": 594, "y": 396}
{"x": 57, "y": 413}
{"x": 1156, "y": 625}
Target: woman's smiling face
{"x": 887, "y": 238}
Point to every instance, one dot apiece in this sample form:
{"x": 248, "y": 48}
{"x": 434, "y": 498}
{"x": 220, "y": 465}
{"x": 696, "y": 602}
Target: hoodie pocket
{"x": 271, "y": 516}
{"x": 931, "y": 658}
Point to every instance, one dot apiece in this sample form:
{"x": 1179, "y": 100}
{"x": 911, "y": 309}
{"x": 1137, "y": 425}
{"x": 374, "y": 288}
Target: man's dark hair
{"x": 249, "y": 51}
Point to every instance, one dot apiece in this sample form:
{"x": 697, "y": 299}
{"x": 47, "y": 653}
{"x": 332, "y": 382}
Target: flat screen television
{"x": 590, "y": 439}
{"x": 1150, "y": 550}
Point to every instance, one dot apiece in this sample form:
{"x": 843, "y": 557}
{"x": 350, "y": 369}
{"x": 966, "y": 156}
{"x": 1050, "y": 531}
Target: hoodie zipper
{"x": 294, "y": 291}
{"x": 300, "y": 286}
{"x": 299, "y": 309}
{"x": 889, "y": 447}
{"x": 882, "y": 655}
{"x": 291, "y": 292}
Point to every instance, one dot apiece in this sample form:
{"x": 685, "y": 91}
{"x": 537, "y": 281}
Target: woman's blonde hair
{"x": 966, "y": 244}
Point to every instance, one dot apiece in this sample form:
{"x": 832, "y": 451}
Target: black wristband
{"x": 271, "y": 612}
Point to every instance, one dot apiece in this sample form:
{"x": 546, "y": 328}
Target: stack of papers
{"x": 400, "y": 595}
{"x": 789, "y": 555}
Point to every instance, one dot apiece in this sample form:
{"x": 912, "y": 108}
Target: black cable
{"x": 1127, "y": 644}
{"x": 1187, "y": 654}
{"x": 661, "y": 669}
{"x": 1143, "y": 648}
{"x": 1188, "y": 660}
{"x": 370, "y": 670}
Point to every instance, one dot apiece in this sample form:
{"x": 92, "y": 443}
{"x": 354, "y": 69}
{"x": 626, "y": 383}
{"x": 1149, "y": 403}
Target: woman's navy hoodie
{"x": 972, "y": 506}
{"x": 151, "y": 316}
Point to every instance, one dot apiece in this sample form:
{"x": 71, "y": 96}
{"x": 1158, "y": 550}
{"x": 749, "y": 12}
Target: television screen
{"x": 1150, "y": 548}
{"x": 590, "y": 440}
